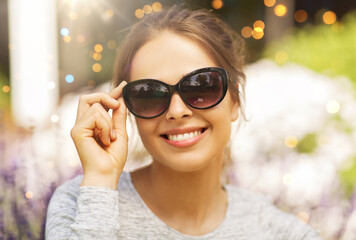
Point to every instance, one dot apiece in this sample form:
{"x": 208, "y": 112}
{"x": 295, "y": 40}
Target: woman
{"x": 179, "y": 72}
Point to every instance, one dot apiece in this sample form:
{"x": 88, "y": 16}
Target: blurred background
{"x": 298, "y": 144}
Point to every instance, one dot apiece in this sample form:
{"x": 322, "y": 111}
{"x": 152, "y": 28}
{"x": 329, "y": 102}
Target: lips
{"x": 183, "y": 137}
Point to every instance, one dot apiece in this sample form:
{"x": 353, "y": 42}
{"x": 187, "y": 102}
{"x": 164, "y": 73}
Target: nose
{"x": 178, "y": 109}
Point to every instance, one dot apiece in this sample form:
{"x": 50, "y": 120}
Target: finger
{"x": 119, "y": 118}
{"x": 116, "y": 92}
{"x": 103, "y": 99}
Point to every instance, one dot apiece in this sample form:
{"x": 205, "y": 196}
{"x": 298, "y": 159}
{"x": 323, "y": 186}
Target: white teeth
{"x": 185, "y": 136}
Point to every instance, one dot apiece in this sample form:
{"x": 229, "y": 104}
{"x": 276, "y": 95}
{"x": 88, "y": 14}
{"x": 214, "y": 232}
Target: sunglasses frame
{"x": 176, "y": 88}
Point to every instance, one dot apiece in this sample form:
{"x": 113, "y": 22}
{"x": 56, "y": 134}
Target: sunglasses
{"x": 201, "y": 89}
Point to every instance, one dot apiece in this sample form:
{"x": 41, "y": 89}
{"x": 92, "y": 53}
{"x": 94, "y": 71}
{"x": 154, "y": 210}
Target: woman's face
{"x": 167, "y": 58}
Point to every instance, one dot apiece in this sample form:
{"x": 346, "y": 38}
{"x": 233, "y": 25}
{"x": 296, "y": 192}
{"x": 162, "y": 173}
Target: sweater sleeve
{"x": 83, "y": 213}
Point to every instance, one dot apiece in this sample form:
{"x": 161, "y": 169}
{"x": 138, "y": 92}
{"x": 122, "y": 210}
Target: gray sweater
{"x": 78, "y": 212}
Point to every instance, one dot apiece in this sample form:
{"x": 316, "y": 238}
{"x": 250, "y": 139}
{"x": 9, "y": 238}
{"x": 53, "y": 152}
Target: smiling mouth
{"x": 184, "y": 136}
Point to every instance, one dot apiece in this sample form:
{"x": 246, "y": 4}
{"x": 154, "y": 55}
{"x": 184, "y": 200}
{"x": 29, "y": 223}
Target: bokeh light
{"x": 97, "y": 67}
{"x": 54, "y": 118}
{"x": 51, "y": 85}
{"x": 246, "y": 32}
{"x": 259, "y": 24}
{"x": 29, "y": 194}
{"x": 329, "y": 17}
{"x": 97, "y": 56}
{"x": 6, "y": 89}
{"x": 147, "y": 9}
{"x": 67, "y": 39}
{"x": 80, "y": 38}
{"x": 258, "y": 34}
{"x": 300, "y": 16}
{"x": 333, "y": 106}
{"x": 109, "y": 13}
{"x": 270, "y": 3}
{"x": 64, "y": 31}
{"x": 281, "y": 57}
{"x": 69, "y": 78}
{"x": 139, "y": 13}
{"x": 291, "y": 141}
{"x": 280, "y": 10}
{"x": 98, "y": 48}
{"x": 111, "y": 44}
{"x": 217, "y": 4}
{"x": 156, "y": 6}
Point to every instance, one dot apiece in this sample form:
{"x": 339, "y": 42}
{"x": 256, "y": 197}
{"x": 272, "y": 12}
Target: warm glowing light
{"x": 156, "y": 6}
{"x": 258, "y": 24}
{"x": 98, "y": 48}
{"x": 258, "y": 29}
{"x": 147, "y": 9}
{"x": 246, "y": 32}
{"x": 73, "y": 16}
{"x": 54, "y": 118}
{"x": 69, "y": 78}
{"x": 291, "y": 141}
{"x": 217, "y": 4}
{"x": 280, "y": 10}
{"x": 332, "y": 107}
{"x": 139, "y": 13}
{"x": 80, "y": 38}
{"x": 329, "y": 17}
{"x": 97, "y": 67}
{"x": 67, "y": 39}
{"x": 257, "y": 35}
{"x": 64, "y": 32}
{"x": 109, "y": 13}
{"x": 97, "y": 56}
{"x": 29, "y": 194}
{"x": 288, "y": 179}
{"x": 303, "y": 216}
{"x": 6, "y": 89}
{"x": 300, "y": 16}
{"x": 270, "y": 3}
{"x": 111, "y": 44}
{"x": 281, "y": 57}
{"x": 51, "y": 85}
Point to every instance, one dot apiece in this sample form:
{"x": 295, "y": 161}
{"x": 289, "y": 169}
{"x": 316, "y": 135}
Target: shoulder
{"x": 259, "y": 214}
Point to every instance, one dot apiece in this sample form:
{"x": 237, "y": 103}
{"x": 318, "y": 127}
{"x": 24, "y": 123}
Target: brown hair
{"x": 225, "y": 45}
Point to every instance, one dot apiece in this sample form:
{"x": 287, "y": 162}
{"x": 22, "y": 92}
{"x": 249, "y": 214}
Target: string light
{"x": 291, "y": 141}
{"x": 6, "y": 89}
{"x": 259, "y": 24}
{"x": 97, "y": 56}
{"x": 69, "y": 78}
{"x": 97, "y": 67}
{"x": 258, "y": 34}
{"x": 333, "y": 106}
{"x": 280, "y": 10}
{"x": 300, "y": 16}
{"x": 329, "y": 17}
{"x": 156, "y": 6}
{"x": 67, "y": 39}
{"x": 269, "y": 3}
{"x": 217, "y": 4}
{"x": 139, "y": 13}
{"x": 246, "y": 32}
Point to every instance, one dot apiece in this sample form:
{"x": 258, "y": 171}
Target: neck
{"x": 195, "y": 199}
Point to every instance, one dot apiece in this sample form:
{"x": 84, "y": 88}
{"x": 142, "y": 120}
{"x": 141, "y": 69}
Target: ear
{"x": 234, "y": 110}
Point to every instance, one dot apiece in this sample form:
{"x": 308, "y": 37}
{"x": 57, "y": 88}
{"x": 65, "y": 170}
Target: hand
{"x": 101, "y": 141}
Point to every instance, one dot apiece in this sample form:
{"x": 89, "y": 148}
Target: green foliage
{"x": 329, "y": 49}
{"x": 348, "y": 176}
{"x": 308, "y": 143}
{"x": 4, "y": 97}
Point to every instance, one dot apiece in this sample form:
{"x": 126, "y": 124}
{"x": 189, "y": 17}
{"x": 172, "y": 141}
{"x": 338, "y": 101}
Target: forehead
{"x": 168, "y": 57}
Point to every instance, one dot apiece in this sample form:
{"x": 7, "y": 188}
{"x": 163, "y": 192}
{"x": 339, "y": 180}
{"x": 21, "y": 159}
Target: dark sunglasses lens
{"x": 147, "y": 99}
{"x": 203, "y": 90}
